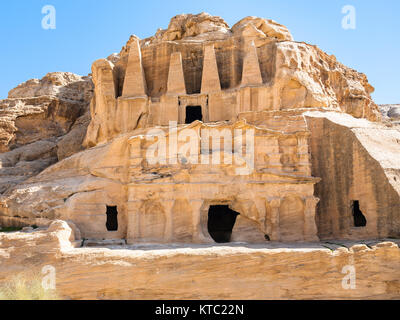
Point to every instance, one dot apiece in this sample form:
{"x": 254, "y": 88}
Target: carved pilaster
{"x": 260, "y": 204}
{"x": 310, "y": 227}
{"x": 275, "y": 206}
{"x": 168, "y": 205}
{"x": 198, "y": 235}
{"x": 133, "y": 230}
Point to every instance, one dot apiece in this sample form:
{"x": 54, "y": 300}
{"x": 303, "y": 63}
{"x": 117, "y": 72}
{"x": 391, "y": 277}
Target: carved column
{"x": 310, "y": 227}
{"x": 275, "y": 232}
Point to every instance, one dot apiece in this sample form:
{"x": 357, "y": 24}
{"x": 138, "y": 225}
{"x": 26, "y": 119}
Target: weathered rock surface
{"x": 41, "y": 122}
{"x": 261, "y": 28}
{"x": 24, "y": 162}
{"x": 193, "y": 27}
{"x": 72, "y": 142}
{"x": 394, "y": 112}
{"x": 281, "y": 271}
{"x": 391, "y": 114}
{"x": 40, "y": 109}
{"x": 357, "y": 160}
{"x": 48, "y": 195}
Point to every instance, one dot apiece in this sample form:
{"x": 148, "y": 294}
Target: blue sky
{"x": 87, "y": 30}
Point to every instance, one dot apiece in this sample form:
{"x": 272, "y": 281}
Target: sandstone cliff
{"x": 42, "y": 121}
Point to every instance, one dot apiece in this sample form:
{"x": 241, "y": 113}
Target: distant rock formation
{"x": 391, "y": 114}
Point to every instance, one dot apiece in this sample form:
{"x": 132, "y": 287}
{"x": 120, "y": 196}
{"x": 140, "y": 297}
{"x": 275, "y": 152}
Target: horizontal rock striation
{"x": 286, "y": 271}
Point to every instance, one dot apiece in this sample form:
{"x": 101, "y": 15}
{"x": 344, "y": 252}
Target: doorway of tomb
{"x": 112, "y": 218}
{"x": 193, "y": 113}
{"x": 221, "y": 220}
{"x": 359, "y": 219}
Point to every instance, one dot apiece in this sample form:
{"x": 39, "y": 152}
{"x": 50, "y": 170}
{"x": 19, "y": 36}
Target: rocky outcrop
{"x": 50, "y": 194}
{"x": 40, "y": 109}
{"x": 72, "y": 142}
{"x": 24, "y": 162}
{"x": 250, "y": 27}
{"x": 391, "y": 114}
{"x": 41, "y": 122}
{"x": 193, "y": 27}
{"x": 204, "y": 27}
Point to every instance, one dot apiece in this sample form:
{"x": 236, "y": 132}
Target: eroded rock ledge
{"x": 235, "y": 271}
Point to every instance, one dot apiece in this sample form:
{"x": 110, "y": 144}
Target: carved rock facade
{"x": 200, "y": 75}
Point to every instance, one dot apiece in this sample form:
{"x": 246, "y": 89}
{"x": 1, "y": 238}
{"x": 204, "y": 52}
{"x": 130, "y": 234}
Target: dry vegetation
{"x": 23, "y": 287}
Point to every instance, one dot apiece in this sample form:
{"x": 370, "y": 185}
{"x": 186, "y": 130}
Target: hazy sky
{"x": 87, "y": 30}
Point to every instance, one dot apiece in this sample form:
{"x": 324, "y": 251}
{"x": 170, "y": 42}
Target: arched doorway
{"x": 221, "y": 220}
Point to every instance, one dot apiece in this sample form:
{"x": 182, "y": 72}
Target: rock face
{"x": 391, "y": 114}
{"x": 358, "y": 161}
{"x": 276, "y": 104}
{"x": 204, "y": 272}
{"x": 41, "y": 109}
{"x": 42, "y": 121}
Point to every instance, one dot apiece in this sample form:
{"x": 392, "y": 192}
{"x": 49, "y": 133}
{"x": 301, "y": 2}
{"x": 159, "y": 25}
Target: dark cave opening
{"x": 193, "y": 113}
{"x": 112, "y": 218}
{"x": 358, "y": 216}
{"x": 221, "y": 220}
